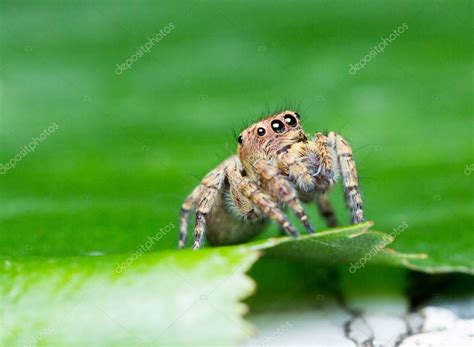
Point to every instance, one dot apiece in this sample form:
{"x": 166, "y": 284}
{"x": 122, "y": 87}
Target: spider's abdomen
{"x": 225, "y": 228}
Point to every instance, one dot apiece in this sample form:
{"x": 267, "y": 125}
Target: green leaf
{"x": 338, "y": 245}
{"x": 162, "y": 298}
{"x": 352, "y": 245}
{"x": 168, "y": 297}
{"x": 130, "y": 147}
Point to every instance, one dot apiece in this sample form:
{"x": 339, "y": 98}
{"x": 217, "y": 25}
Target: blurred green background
{"x": 130, "y": 147}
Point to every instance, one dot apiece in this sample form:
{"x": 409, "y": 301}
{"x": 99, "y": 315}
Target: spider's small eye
{"x": 261, "y": 131}
{"x": 240, "y": 139}
{"x": 278, "y": 126}
{"x": 297, "y": 115}
{"x": 290, "y": 120}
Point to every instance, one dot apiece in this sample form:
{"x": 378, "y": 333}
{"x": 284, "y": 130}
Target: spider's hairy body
{"x": 277, "y": 166}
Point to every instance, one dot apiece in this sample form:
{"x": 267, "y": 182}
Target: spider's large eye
{"x": 290, "y": 120}
{"x": 261, "y": 131}
{"x": 240, "y": 139}
{"x": 278, "y": 126}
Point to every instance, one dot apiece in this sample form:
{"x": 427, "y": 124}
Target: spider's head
{"x": 270, "y": 136}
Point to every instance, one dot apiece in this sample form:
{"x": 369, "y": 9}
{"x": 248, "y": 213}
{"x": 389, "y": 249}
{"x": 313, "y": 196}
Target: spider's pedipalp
{"x": 290, "y": 162}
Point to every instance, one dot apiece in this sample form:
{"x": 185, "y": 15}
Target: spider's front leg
{"x": 266, "y": 205}
{"x": 202, "y": 199}
{"x": 186, "y": 208}
{"x": 350, "y": 179}
{"x": 248, "y": 202}
{"x": 283, "y": 190}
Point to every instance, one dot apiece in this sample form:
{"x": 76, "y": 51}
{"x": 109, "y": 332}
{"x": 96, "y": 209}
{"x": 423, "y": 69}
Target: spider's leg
{"x": 326, "y": 210}
{"x": 199, "y": 230}
{"x": 349, "y": 176}
{"x": 323, "y": 152}
{"x": 186, "y": 208}
{"x": 284, "y": 191}
{"x": 239, "y": 204}
{"x": 266, "y": 205}
{"x": 212, "y": 186}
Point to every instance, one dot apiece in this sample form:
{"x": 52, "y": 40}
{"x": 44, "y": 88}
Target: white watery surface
{"x": 378, "y": 322}
{"x": 312, "y": 326}
{"x": 442, "y": 327}
{"x": 383, "y": 318}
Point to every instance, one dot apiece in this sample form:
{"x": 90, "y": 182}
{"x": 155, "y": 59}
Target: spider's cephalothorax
{"x": 277, "y": 166}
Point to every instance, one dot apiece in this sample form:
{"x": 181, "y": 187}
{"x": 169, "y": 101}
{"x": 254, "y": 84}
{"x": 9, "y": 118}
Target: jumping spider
{"x": 277, "y": 166}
